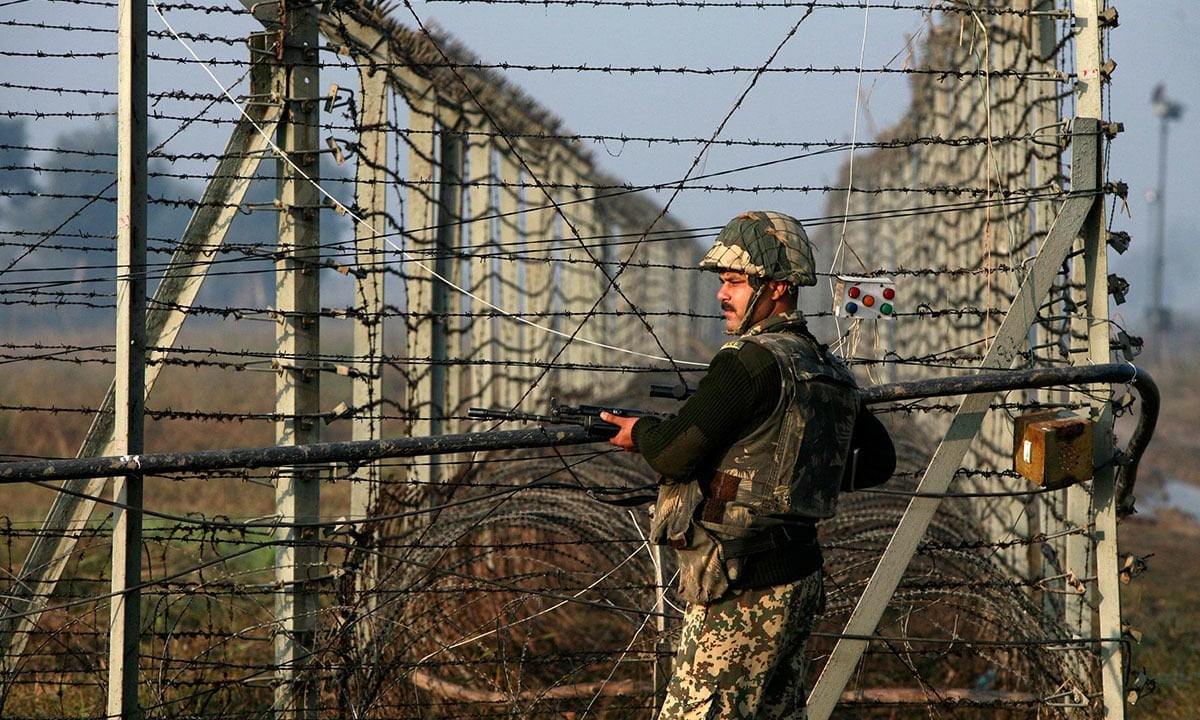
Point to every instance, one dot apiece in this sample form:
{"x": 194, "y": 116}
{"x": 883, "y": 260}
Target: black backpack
{"x": 872, "y": 458}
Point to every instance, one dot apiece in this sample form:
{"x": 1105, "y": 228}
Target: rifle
{"x": 873, "y": 457}
{"x": 585, "y": 416}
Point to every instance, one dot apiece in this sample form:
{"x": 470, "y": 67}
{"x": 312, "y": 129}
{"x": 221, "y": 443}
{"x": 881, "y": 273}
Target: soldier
{"x": 749, "y": 465}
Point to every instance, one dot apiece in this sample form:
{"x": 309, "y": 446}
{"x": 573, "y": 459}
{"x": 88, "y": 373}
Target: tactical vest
{"x": 789, "y": 468}
{"x": 787, "y": 472}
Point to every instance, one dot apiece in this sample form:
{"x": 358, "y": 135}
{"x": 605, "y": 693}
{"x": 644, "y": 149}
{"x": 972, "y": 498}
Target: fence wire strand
{"x": 519, "y": 583}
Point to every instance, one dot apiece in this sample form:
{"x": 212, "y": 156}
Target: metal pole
{"x": 558, "y": 436}
{"x": 1158, "y": 321}
{"x": 129, "y": 405}
{"x": 443, "y": 395}
{"x": 371, "y": 197}
{"x": 297, "y": 340}
{"x": 180, "y": 283}
{"x": 1099, "y": 511}
{"x": 358, "y": 451}
{"x": 1160, "y": 318}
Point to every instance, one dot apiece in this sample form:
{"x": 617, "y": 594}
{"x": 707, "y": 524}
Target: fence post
{"x": 130, "y": 386}
{"x": 511, "y": 274}
{"x": 297, "y": 346}
{"x": 419, "y": 219}
{"x": 54, "y": 544}
{"x": 1093, "y": 326}
{"x": 367, "y": 392}
{"x": 482, "y": 324}
{"x": 448, "y": 227}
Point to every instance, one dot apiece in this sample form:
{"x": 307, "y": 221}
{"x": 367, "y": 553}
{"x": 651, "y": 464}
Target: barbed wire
{"x": 465, "y": 555}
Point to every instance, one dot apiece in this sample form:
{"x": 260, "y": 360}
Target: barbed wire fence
{"x": 446, "y": 242}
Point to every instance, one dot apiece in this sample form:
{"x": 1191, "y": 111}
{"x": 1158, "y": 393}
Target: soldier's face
{"x": 734, "y": 297}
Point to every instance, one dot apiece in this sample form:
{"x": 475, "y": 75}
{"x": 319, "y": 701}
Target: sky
{"x": 1154, "y": 43}
{"x": 1157, "y": 43}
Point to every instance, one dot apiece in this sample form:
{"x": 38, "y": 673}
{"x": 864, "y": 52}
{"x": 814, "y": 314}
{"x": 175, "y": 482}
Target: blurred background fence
{"x": 359, "y": 229}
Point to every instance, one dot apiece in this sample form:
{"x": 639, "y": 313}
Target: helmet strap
{"x": 748, "y": 321}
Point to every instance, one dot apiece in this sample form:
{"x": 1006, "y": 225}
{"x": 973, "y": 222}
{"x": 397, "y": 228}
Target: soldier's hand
{"x": 624, "y": 437}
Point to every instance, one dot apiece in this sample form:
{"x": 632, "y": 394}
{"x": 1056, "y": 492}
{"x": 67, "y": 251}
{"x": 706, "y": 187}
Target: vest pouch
{"x": 673, "y": 513}
{"x": 703, "y": 576}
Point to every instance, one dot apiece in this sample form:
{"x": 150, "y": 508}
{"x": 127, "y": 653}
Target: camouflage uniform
{"x": 742, "y": 648}
{"x": 744, "y": 657}
{"x": 748, "y": 466}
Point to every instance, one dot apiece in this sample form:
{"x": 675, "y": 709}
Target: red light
{"x": 865, "y": 298}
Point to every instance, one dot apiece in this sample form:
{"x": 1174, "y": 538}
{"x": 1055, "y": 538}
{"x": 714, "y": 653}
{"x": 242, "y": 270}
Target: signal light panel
{"x": 865, "y": 298}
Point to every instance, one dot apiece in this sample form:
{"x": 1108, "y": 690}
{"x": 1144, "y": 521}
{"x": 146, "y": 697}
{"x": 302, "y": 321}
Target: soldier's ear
{"x": 780, "y": 289}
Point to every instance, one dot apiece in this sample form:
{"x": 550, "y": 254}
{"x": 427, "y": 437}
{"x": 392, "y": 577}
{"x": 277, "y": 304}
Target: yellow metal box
{"x": 1053, "y": 448}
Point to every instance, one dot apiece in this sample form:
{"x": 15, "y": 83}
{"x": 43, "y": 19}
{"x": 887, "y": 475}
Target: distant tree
{"x": 58, "y": 226}
{"x": 14, "y": 161}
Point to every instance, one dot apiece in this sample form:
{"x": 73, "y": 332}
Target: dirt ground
{"x": 1160, "y": 611}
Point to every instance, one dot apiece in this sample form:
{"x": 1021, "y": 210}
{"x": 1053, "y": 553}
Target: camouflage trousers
{"x": 744, "y": 655}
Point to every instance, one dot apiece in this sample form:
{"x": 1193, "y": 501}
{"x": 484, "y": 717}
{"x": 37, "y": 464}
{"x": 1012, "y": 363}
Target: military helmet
{"x": 764, "y": 244}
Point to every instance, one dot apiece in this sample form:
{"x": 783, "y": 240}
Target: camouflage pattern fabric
{"x": 764, "y": 244}
{"x": 744, "y": 656}
{"x": 792, "y": 464}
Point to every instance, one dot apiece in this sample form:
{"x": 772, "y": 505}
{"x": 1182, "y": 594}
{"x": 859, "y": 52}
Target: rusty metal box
{"x": 1053, "y": 448}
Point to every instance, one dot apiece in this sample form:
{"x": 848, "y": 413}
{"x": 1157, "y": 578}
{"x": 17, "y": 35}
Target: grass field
{"x": 193, "y": 406}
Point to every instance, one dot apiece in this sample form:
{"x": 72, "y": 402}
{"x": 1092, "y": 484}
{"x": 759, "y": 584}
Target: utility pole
{"x": 1160, "y": 317}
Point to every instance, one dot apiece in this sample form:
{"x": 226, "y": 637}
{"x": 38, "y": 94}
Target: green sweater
{"x": 738, "y": 393}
